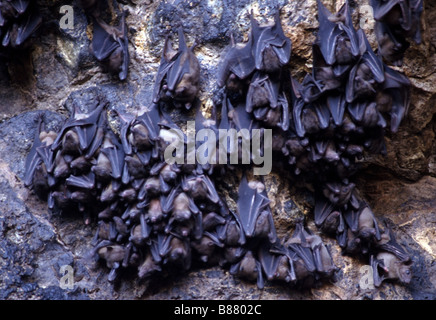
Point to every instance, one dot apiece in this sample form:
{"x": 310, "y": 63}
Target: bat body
{"x": 254, "y": 212}
{"x": 110, "y": 46}
{"x": 178, "y": 75}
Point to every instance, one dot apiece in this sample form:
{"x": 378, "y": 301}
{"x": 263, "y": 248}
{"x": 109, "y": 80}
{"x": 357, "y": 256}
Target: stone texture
{"x": 58, "y": 73}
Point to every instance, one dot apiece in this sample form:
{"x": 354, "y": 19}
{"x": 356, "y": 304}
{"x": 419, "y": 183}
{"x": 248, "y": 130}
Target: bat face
{"x": 178, "y": 75}
{"x": 110, "y": 46}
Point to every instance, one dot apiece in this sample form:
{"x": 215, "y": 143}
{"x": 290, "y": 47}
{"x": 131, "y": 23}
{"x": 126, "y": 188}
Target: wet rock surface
{"x": 57, "y": 73}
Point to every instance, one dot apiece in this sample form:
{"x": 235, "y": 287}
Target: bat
{"x": 39, "y": 161}
{"x": 400, "y": 14}
{"x": 337, "y": 38}
{"x": 200, "y": 188}
{"x": 391, "y": 46}
{"x": 271, "y": 48}
{"x": 275, "y": 265}
{"x": 110, "y": 46}
{"x": 363, "y": 224}
{"x": 253, "y": 210}
{"x": 323, "y": 78}
{"x": 249, "y": 268}
{"x": 394, "y": 97}
{"x": 321, "y": 255}
{"x": 206, "y": 247}
{"x": 83, "y": 125}
{"x": 266, "y": 102}
{"x": 366, "y": 75}
{"x": 179, "y": 253}
{"x": 139, "y": 134}
{"x": 178, "y": 76}
{"x": 237, "y": 65}
{"x": 148, "y": 267}
{"x": 299, "y": 248}
{"x": 387, "y": 266}
{"x": 110, "y": 161}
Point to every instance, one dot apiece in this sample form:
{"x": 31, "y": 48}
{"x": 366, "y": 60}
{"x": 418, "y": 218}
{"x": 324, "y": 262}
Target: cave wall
{"x": 57, "y": 72}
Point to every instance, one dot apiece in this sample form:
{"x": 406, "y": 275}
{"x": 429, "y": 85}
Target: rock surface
{"x": 58, "y": 72}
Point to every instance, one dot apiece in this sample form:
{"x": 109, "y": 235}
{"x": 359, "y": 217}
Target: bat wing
{"x": 323, "y": 113}
{"x": 370, "y": 58}
{"x": 269, "y": 260}
{"x": 250, "y": 204}
{"x": 357, "y": 109}
{"x": 83, "y": 182}
{"x": 399, "y": 86}
{"x": 328, "y": 34}
{"x": 349, "y": 29}
{"x": 336, "y": 104}
{"x": 323, "y": 208}
{"x": 126, "y": 121}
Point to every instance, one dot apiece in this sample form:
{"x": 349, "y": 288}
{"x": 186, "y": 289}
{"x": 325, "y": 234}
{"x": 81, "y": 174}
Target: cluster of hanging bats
{"x": 154, "y": 217}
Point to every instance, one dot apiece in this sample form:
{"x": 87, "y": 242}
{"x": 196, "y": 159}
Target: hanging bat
{"x": 275, "y": 265}
{"x": 271, "y": 48}
{"x": 265, "y": 94}
{"x": 253, "y": 210}
{"x": 249, "y": 268}
{"x": 21, "y": 30}
{"x": 39, "y": 161}
{"x": 394, "y": 97}
{"x": 391, "y": 46}
{"x": 110, "y": 161}
{"x": 337, "y": 38}
{"x": 401, "y": 18}
{"x": 139, "y": 134}
{"x": 84, "y": 127}
{"x": 178, "y": 75}
{"x": 327, "y": 218}
{"x": 110, "y": 46}
{"x": 237, "y": 65}
{"x": 200, "y": 188}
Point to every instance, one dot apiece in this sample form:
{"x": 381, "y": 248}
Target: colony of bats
{"x": 155, "y": 217}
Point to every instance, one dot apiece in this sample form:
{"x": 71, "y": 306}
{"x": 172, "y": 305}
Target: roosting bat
{"x": 254, "y": 212}
{"x": 178, "y": 75}
{"x": 337, "y": 38}
{"x": 110, "y": 46}
{"x": 271, "y": 48}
